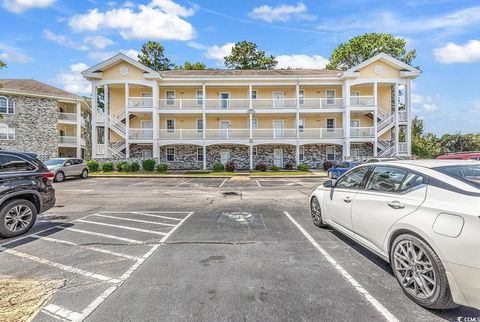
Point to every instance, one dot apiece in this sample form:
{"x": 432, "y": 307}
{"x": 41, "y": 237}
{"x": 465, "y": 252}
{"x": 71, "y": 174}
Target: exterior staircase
{"x": 385, "y": 122}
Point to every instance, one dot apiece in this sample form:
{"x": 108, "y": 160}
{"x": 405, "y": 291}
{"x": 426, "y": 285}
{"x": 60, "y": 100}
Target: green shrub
{"x": 288, "y": 166}
{"x": 135, "y": 166}
{"x": 230, "y": 166}
{"x": 119, "y": 165}
{"x": 261, "y": 167}
{"x": 302, "y": 167}
{"x": 218, "y": 167}
{"x": 274, "y": 168}
{"x": 93, "y": 165}
{"x": 126, "y": 167}
{"x": 327, "y": 165}
{"x": 148, "y": 165}
{"x": 107, "y": 167}
{"x": 162, "y": 167}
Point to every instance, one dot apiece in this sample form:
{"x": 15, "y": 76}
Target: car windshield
{"x": 343, "y": 165}
{"x": 466, "y": 173}
{"x": 53, "y": 162}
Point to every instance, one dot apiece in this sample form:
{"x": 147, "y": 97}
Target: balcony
{"x": 362, "y": 101}
{"x": 362, "y": 132}
{"x": 402, "y": 148}
{"x": 180, "y": 104}
{"x": 274, "y": 103}
{"x": 67, "y": 141}
{"x": 180, "y": 134}
{"x": 402, "y": 116}
{"x": 227, "y": 104}
{"x": 140, "y": 102}
{"x": 321, "y": 133}
{"x": 274, "y": 134}
{"x": 67, "y": 117}
{"x": 321, "y": 103}
{"x": 140, "y": 134}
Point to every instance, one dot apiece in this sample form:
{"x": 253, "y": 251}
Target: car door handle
{"x": 396, "y": 205}
{"x": 347, "y": 200}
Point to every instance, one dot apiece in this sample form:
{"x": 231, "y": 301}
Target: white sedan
{"x": 423, "y": 217}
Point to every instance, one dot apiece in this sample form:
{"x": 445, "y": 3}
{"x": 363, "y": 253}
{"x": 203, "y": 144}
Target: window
{"x": 199, "y": 125}
{"x": 353, "y": 179}
{"x": 170, "y": 154}
{"x": 254, "y": 151}
{"x": 11, "y": 163}
{"x": 301, "y": 97}
{"x": 355, "y": 98}
{"x": 411, "y": 181}
{"x": 254, "y": 95}
{"x": 170, "y": 126}
{"x": 170, "y": 97}
{"x": 355, "y": 123}
{"x": 254, "y": 123}
{"x": 6, "y": 106}
{"x": 199, "y": 97}
{"x": 466, "y": 173}
{"x": 301, "y": 125}
{"x": 355, "y": 152}
{"x": 330, "y": 151}
{"x": 386, "y": 179}
{"x": 6, "y": 132}
{"x": 301, "y": 153}
{"x": 330, "y": 125}
{"x": 200, "y": 154}
{"x": 330, "y": 94}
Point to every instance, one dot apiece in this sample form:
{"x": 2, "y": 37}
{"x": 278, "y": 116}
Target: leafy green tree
{"x": 360, "y": 48}
{"x": 2, "y": 64}
{"x": 152, "y": 55}
{"x": 245, "y": 55}
{"x": 451, "y": 143}
{"x": 192, "y": 66}
{"x": 424, "y": 146}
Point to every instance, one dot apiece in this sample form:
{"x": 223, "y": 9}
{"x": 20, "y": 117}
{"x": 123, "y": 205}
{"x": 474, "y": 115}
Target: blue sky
{"x": 53, "y": 40}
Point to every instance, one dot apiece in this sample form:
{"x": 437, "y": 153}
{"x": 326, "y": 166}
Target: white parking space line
{"x": 122, "y": 227}
{"x": 95, "y": 249}
{"x": 223, "y": 182}
{"x": 158, "y": 216}
{"x": 135, "y": 220}
{"x": 60, "y": 312}
{"x": 359, "y": 288}
{"x": 63, "y": 267}
{"x": 258, "y": 183}
{"x": 175, "y": 228}
{"x": 128, "y": 240}
{"x": 140, "y": 183}
{"x": 185, "y": 181}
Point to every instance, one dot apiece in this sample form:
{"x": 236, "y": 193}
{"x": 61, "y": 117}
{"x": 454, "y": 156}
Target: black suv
{"x": 25, "y": 191}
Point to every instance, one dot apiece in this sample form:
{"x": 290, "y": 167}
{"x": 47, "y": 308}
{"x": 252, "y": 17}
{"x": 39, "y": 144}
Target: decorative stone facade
{"x": 315, "y": 154}
{"x": 88, "y": 136}
{"x": 365, "y": 149}
{"x": 265, "y": 154}
{"x": 238, "y": 155}
{"x": 137, "y": 151}
{"x": 35, "y": 123}
{"x": 185, "y": 157}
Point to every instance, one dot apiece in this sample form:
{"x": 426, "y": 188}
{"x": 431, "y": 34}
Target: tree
{"x": 152, "y": 55}
{"x": 424, "y": 146}
{"x": 360, "y": 48}
{"x": 2, "y": 64}
{"x": 245, "y": 55}
{"x": 192, "y": 66}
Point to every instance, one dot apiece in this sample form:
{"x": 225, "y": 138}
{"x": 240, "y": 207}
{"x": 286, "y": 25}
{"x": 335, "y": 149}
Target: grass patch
{"x": 210, "y": 174}
{"x": 279, "y": 173}
{"x": 120, "y": 173}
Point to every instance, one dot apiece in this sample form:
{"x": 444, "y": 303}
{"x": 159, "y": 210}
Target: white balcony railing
{"x": 274, "y": 103}
{"x": 71, "y": 117}
{"x": 402, "y": 116}
{"x": 227, "y": 103}
{"x": 180, "y": 104}
{"x": 274, "y": 134}
{"x": 321, "y": 103}
{"x": 362, "y": 132}
{"x": 67, "y": 139}
{"x": 402, "y": 147}
{"x": 83, "y": 122}
{"x": 140, "y": 102}
{"x": 140, "y": 134}
{"x": 101, "y": 149}
{"x": 227, "y": 134}
{"x": 321, "y": 133}
{"x": 100, "y": 117}
{"x": 180, "y": 134}
{"x": 83, "y": 142}
{"x": 360, "y": 101}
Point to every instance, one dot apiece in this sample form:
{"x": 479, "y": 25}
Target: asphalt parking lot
{"x": 202, "y": 249}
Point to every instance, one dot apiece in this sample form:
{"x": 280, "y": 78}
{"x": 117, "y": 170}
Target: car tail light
{"x": 48, "y": 175}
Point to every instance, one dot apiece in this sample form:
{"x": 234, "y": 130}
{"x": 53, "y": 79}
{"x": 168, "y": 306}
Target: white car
{"x": 423, "y": 217}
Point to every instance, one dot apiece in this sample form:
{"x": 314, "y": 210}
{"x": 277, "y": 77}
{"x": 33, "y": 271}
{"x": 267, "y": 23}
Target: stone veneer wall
{"x": 88, "y": 135}
{"x": 265, "y": 154}
{"x": 365, "y": 149}
{"x": 35, "y": 122}
{"x": 238, "y": 155}
{"x": 185, "y": 157}
{"x": 315, "y": 154}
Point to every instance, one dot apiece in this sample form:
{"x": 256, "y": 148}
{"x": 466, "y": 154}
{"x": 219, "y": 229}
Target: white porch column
{"x": 250, "y": 112}
{"x": 94, "y": 120}
{"x": 375, "y": 93}
{"x": 408, "y": 100}
{"x": 127, "y": 122}
{"x": 204, "y": 122}
{"x": 375, "y": 127}
{"x": 297, "y": 123}
{"x": 346, "y": 120}
{"x": 107, "y": 117}
{"x": 250, "y": 148}
{"x": 79, "y": 130}
{"x": 156, "y": 121}
{"x": 395, "y": 97}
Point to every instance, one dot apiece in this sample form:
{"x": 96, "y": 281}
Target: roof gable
{"x": 96, "y": 71}
{"x": 386, "y": 59}
{"x": 34, "y": 87}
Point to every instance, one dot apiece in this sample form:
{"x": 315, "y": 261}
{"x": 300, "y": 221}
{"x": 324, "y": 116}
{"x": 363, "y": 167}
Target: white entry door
{"x": 278, "y": 101}
{"x": 224, "y": 100}
{"x": 224, "y": 129}
{"x": 147, "y": 100}
{"x": 278, "y": 132}
{"x": 278, "y": 157}
{"x": 224, "y": 156}
{"x": 147, "y": 129}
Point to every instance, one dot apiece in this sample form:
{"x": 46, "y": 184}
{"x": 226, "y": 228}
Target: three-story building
{"x": 192, "y": 119}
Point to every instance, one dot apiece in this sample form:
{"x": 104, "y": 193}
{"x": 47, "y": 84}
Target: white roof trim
{"x": 92, "y": 72}
{"x": 386, "y": 58}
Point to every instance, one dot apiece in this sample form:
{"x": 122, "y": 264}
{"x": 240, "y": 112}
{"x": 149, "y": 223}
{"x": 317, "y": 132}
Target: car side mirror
{"x": 328, "y": 184}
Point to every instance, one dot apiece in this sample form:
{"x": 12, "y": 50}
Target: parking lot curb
{"x": 201, "y": 177}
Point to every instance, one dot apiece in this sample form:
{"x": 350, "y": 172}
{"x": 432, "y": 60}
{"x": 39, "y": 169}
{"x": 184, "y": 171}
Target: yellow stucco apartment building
{"x": 192, "y": 119}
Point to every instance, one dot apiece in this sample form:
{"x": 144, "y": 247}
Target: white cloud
{"x": 453, "y": 53}
{"x": 100, "y": 56}
{"x": 63, "y": 40}
{"x": 476, "y": 104}
{"x": 13, "y": 54}
{"x": 301, "y": 61}
{"x": 281, "y": 13}
{"x": 98, "y": 42}
{"x": 73, "y": 81}
{"x": 19, "y": 6}
{"x": 160, "y": 19}
{"x": 423, "y": 103}
{"x": 219, "y": 52}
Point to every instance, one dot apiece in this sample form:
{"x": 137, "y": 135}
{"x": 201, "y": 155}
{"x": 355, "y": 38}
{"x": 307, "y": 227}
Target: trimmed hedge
{"x": 93, "y": 165}
{"x": 119, "y": 165}
{"x": 288, "y": 166}
{"x": 328, "y": 164}
{"x": 261, "y": 167}
{"x": 107, "y": 167}
{"x": 148, "y": 165}
{"x": 302, "y": 167}
{"x": 162, "y": 167}
{"x": 274, "y": 168}
{"x": 135, "y": 166}
{"x": 230, "y": 167}
{"x": 218, "y": 167}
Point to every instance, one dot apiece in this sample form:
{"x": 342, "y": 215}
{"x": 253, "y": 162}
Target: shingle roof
{"x": 31, "y": 86}
{"x": 249, "y": 73}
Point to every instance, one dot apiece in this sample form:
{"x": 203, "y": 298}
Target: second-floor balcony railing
{"x": 321, "y": 133}
{"x": 180, "y": 134}
{"x": 402, "y": 116}
{"x": 274, "y": 134}
{"x": 140, "y": 134}
{"x": 67, "y": 139}
{"x": 402, "y": 147}
{"x": 227, "y": 134}
{"x": 360, "y": 101}
{"x": 362, "y": 132}
{"x": 72, "y": 117}
{"x": 274, "y": 103}
{"x": 140, "y": 102}
{"x": 321, "y": 103}
{"x": 180, "y": 104}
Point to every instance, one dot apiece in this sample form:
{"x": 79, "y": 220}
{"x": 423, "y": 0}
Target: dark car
{"x": 25, "y": 191}
{"x": 340, "y": 168}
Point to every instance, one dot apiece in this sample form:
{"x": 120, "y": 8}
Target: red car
{"x": 461, "y": 156}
